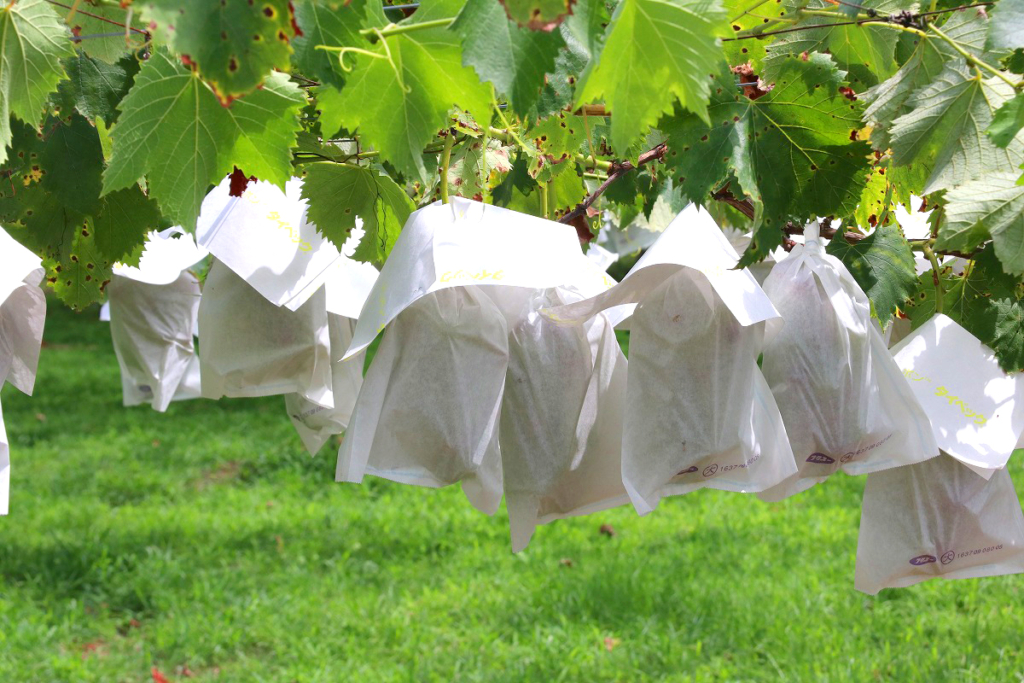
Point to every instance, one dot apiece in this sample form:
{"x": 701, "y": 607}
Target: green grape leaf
{"x": 513, "y": 59}
{"x": 747, "y": 15}
{"x": 1007, "y": 122}
{"x": 1007, "y": 25}
{"x": 80, "y": 278}
{"x": 992, "y": 206}
{"x": 95, "y": 20}
{"x": 882, "y": 264}
{"x": 32, "y": 43}
{"x": 538, "y": 15}
{"x": 399, "y": 99}
{"x": 872, "y": 200}
{"x": 174, "y": 130}
{"x": 1014, "y": 61}
{"x": 338, "y": 193}
{"x": 96, "y": 86}
{"x": 1007, "y": 339}
{"x": 124, "y": 219}
{"x": 466, "y": 172}
{"x": 71, "y": 163}
{"x": 325, "y": 22}
{"x": 656, "y": 53}
{"x": 947, "y": 121}
{"x": 866, "y": 53}
{"x": 793, "y": 150}
{"x": 583, "y": 33}
{"x": 233, "y": 45}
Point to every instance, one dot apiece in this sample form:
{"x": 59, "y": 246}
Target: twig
{"x": 939, "y": 294}
{"x": 98, "y": 17}
{"x": 616, "y": 172}
{"x": 446, "y": 159}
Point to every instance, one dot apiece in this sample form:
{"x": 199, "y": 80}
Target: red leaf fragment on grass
{"x": 158, "y": 677}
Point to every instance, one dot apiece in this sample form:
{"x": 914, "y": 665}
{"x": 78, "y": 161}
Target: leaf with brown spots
{"x": 538, "y": 15}
{"x": 234, "y": 45}
{"x": 79, "y": 280}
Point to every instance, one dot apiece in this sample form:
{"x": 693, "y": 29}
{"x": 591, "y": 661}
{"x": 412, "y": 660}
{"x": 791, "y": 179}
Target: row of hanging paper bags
{"x": 499, "y": 369}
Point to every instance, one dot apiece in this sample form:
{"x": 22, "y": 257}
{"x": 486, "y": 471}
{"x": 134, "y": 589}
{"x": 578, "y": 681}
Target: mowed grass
{"x": 207, "y": 544}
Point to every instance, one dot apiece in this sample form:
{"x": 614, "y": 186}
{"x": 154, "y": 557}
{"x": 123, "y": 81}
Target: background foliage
{"x": 119, "y": 116}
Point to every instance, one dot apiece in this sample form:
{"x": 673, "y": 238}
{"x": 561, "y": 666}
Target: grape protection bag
{"x": 698, "y": 411}
{"x": 976, "y": 409}
{"x": 264, "y": 237}
{"x": 250, "y": 347}
{"x": 845, "y": 403}
{"x": 22, "y": 316}
{"x": 427, "y": 413}
{"x": 561, "y": 415}
{"x": 940, "y": 519}
{"x": 453, "y": 275}
{"x": 347, "y": 285}
{"x": 153, "y": 329}
{"x": 153, "y": 311}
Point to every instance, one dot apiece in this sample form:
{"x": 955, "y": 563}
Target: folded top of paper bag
{"x": 18, "y": 266}
{"x": 976, "y": 409}
{"x": 469, "y": 243}
{"x": 693, "y": 240}
{"x": 166, "y": 254}
{"x": 263, "y": 236}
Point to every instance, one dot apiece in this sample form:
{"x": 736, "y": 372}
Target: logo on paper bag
{"x": 710, "y": 470}
{"x": 821, "y": 459}
{"x": 689, "y": 470}
{"x": 923, "y": 559}
{"x": 947, "y": 557}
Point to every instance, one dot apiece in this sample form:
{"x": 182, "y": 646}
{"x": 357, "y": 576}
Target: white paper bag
{"x": 152, "y": 327}
{"x": 22, "y": 314}
{"x": 250, "y": 347}
{"x": 315, "y": 423}
{"x": 698, "y": 411}
{"x": 5, "y": 468}
{"x": 843, "y": 400}
{"x": 264, "y": 237}
{"x": 976, "y": 409}
{"x": 428, "y": 410}
{"x": 561, "y": 416}
{"x": 937, "y": 519}
{"x": 166, "y": 254}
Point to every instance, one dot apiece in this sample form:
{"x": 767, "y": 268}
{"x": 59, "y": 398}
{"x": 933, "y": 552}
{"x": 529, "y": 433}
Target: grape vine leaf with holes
{"x": 32, "y": 43}
{"x": 174, "y": 130}
{"x": 656, "y": 53}
{"x": 888, "y": 100}
{"x": 511, "y": 58}
{"x": 400, "y": 97}
{"x": 989, "y": 207}
{"x": 947, "y": 123}
{"x": 795, "y": 149}
{"x": 883, "y": 265}
{"x": 233, "y": 45}
{"x": 325, "y": 22}
{"x": 538, "y": 15}
{"x": 337, "y": 193}
{"x": 556, "y": 140}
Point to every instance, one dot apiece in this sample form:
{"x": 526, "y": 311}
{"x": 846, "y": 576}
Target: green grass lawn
{"x": 206, "y": 543}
